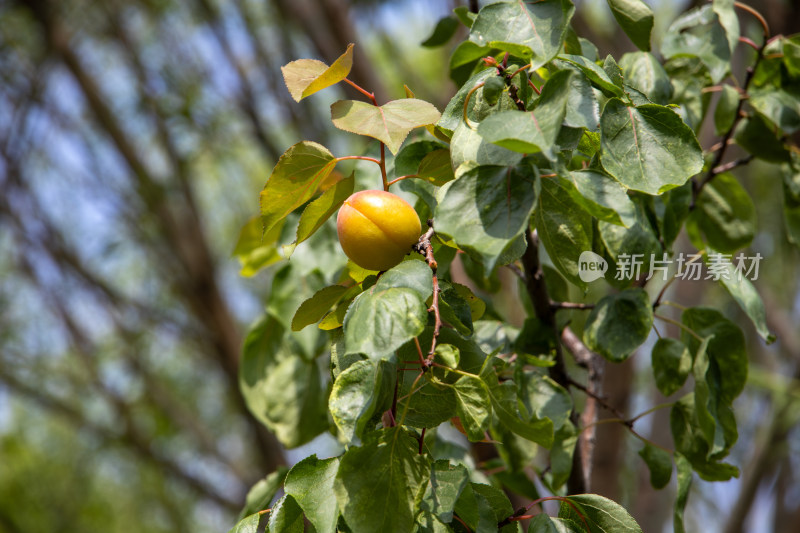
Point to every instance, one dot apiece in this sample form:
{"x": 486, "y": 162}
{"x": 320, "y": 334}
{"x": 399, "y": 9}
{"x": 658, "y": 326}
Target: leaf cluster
{"x": 545, "y": 149}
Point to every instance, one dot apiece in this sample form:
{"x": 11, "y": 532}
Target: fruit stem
{"x": 382, "y": 164}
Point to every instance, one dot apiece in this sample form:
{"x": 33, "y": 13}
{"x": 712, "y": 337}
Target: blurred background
{"x": 135, "y": 137}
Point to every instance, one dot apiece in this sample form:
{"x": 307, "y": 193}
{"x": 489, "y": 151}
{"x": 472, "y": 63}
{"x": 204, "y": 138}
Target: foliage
{"x": 552, "y": 150}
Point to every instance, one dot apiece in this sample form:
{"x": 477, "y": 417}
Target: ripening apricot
{"x": 377, "y": 228}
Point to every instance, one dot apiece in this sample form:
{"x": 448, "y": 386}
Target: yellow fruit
{"x": 377, "y": 228}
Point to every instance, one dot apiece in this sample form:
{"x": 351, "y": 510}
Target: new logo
{"x": 591, "y": 266}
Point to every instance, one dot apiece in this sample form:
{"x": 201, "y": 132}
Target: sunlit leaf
{"x": 294, "y": 181}
{"x": 389, "y": 123}
{"x": 304, "y": 77}
{"x": 530, "y": 30}
{"x": 648, "y": 148}
{"x": 310, "y": 482}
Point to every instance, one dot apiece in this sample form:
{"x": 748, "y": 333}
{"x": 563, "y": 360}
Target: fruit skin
{"x": 377, "y": 228}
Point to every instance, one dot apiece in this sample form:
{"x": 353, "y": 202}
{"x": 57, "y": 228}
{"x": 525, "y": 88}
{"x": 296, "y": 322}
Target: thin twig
{"x": 570, "y": 305}
{"x": 697, "y": 187}
{"x": 599, "y": 399}
{"x": 363, "y": 91}
{"x": 756, "y": 14}
{"x": 425, "y": 248}
{"x": 732, "y": 164}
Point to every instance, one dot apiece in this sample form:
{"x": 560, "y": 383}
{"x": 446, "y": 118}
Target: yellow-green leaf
{"x": 304, "y": 77}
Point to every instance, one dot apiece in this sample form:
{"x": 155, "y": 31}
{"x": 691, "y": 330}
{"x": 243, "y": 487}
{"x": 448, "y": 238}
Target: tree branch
{"x": 537, "y": 291}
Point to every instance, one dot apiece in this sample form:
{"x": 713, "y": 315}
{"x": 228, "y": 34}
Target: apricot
{"x": 377, "y": 228}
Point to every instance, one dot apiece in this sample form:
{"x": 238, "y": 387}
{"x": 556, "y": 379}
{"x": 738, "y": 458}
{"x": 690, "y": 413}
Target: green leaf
{"x": 529, "y": 132}
{"x": 602, "y": 514}
{"x": 415, "y": 275}
{"x": 689, "y": 77}
{"x": 286, "y": 516}
{"x": 761, "y": 140}
{"x": 436, "y": 168}
{"x": 534, "y": 30}
{"x": 643, "y": 71}
{"x": 725, "y": 112}
{"x": 493, "y": 87}
{"x": 583, "y": 110}
{"x": 791, "y": 202}
{"x": 473, "y": 406}
{"x": 791, "y": 55}
{"x": 636, "y": 20}
{"x": 261, "y": 494}
{"x": 320, "y": 210}
{"x": 624, "y": 245}
{"x": 429, "y": 406}
{"x": 477, "y": 307}
{"x": 564, "y": 228}
{"x": 660, "y": 464}
{"x": 542, "y": 523}
{"x": 290, "y": 288}
{"x": 443, "y": 32}
{"x": 453, "y": 113}
{"x": 454, "y": 309}
{"x": 310, "y": 482}
{"x": 544, "y": 397}
{"x": 280, "y": 387}
{"x": 468, "y": 149}
{"x": 247, "y": 525}
{"x": 408, "y": 159}
{"x": 465, "y": 59}
{"x": 729, "y": 20}
{"x": 466, "y": 16}
{"x": 433, "y": 404}
{"x": 619, "y": 324}
{"x": 443, "y": 489}
{"x": 602, "y": 197}
{"x": 505, "y": 405}
{"x": 648, "y": 148}
{"x": 713, "y": 410}
{"x": 389, "y": 123}
{"x": 360, "y": 393}
{"x": 671, "y": 209}
{"x": 733, "y": 278}
{"x": 725, "y": 214}
{"x": 485, "y": 209}
{"x": 294, "y": 181}
{"x": 698, "y": 32}
{"x": 256, "y": 249}
{"x": 613, "y": 71}
{"x": 780, "y": 105}
{"x": 726, "y": 351}
{"x": 481, "y": 507}
{"x": 561, "y": 454}
{"x": 448, "y": 355}
{"x": 304, "y": 77}
{"x": 377, "y": 483}
{"x": 594, "y": 73}
{"x": 671, "y": 362}
{"x": 691, "y": 443}
{"x": 684, "y": 469}
{"x": 378, "y": 323}
{"x": 313, "y": 309}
